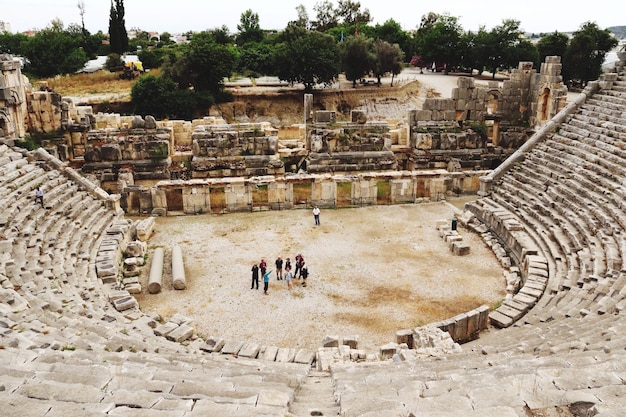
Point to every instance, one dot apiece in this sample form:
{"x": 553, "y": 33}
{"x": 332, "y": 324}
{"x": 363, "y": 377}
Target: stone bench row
{"x": 507, "y": 384}
{"x": 605, "y": 169}
{"x": 581, "y": 281}
{"x": 603, "y": 212}
{"x": 597, "y": 103}
{"x": 179, "y": 387}
{"x": 597, "y": 213}
{"x": 255, "y": 351}
{"x": 533, "y": 266}
{"x": 603, "y": 107}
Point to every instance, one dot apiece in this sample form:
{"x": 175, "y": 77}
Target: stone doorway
{"x": 174, "y": 198}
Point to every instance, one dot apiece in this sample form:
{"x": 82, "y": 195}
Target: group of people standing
{"x": 260, "y": 269}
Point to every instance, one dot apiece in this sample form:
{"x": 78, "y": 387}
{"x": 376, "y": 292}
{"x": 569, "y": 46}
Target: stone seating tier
{"x": 67, "y": 351}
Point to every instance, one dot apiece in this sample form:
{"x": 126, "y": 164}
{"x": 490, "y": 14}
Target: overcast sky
{"x": 176, "y": 16}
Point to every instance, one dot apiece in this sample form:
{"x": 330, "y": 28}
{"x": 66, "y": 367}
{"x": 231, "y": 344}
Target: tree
{"x": 553, "y": 44}
{"x": 222, "y": 35}
{"x": 12, "y": 43}
{"x": 160, "y": 97}
{"x": 256, "y": 59}
{"x": 502, "y": 47}
{"x": 307, "y": 57}
{"x": 54, "y": 51}
{"x": 202, "y": 65}
{"x": 249, "y": 28}
{"x": 326, "y": 16}
{"x": 357, "y": 57}
{"x": 118, "y": 37}
{"x": 392, "y": 32}
{"x": 507, "y": 38}
{"x": 441, "y": 41}
{"x": 165, "y": 38}
{"x": 388, "y": 59}
{"x": 349, "y": 12}
{"x": 586, "y": 52}
{"x": 303, "y": 17}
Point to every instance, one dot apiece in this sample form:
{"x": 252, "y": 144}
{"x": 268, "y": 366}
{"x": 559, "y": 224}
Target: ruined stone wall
{"x": 222, "y": 195}
{"x": 13, "y": 104}
{"x": 526, "y": 97}
{"x": 548, "y": 94}
{"x": 245, "y": 149}
{"x": 145, "y": 150}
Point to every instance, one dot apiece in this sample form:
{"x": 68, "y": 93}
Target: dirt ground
{"x": 373, "y": 271}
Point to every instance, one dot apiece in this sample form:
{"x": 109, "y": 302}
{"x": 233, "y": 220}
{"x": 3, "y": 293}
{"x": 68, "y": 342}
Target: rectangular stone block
{"x": 165, "y": 329}
{"x": 405, "y": 336}
{"x": 249, "y": 350}
{"x": 285, "y": 355}
{"x": 305, "y": 356}
{"x": 500, "y": 320}
{"x": 181, "y": 333}
{"x": 460, "y": 248}
{"x": 270, "y": 353}
{"x": 352, "y": 341}
{"x": 232, "y": 347}
{"x": 213, "y": 344}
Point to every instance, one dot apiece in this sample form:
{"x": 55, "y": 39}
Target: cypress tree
{"x": 118, "y": 37}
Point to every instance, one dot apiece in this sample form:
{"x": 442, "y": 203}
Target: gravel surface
{"x": 373, "y": 271}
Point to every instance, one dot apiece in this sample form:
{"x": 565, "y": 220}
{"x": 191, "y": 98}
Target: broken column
{"x": 156, "y": 271}
{"x": 178, "y": 269}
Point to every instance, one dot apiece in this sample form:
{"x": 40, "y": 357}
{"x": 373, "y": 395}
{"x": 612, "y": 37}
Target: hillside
{"x": 618, "y": 31}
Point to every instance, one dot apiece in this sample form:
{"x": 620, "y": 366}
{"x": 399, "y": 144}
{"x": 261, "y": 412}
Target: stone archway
{"x": 5, "y": 125}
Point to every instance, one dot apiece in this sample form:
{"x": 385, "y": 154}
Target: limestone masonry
{"x": 74, "y": 342}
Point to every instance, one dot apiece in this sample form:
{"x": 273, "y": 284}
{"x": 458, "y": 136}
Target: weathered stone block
{"x": 180, "y": 333}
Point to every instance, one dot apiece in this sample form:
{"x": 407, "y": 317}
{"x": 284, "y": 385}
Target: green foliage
{"x": 118, "y": 37}
{"x": 307, "y": 57}
{"x": 249, "y": 28}
{"x": 392, "y": 32}
{"x": 161, "y": 98}
{"x": 12, "y": 44}
{"x": 202, "y": 64}
{"x": 114, "y": 62}
{"x": 256, "y": 59}
{"x": 158, "y": 151}
{"x": 586, "y": 52}
{"x": 357, "y": 57}
{"x": 54, "y": 51}
{"x": 388, "y": 59}
{"x": 441, "y": 40}
{"x": 552, "y": 44}
{"x": 480, "y": 128}
{"x": 29, "y": 142}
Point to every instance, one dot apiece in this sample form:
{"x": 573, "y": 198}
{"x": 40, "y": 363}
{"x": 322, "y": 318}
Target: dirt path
{"x": 373, "y": 271}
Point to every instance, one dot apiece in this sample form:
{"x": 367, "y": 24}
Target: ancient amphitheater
{"x": 73, "y": 343}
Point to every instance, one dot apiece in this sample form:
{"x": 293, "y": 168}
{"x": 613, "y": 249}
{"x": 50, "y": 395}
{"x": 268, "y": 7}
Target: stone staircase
{"x": 315, "y": 397}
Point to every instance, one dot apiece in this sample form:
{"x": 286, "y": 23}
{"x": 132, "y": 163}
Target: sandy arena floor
{"x": 373, "y": 271}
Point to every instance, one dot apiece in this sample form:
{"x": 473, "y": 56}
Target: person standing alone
{"x": 316, "y": 215}
{"x": 255, "y": 277}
